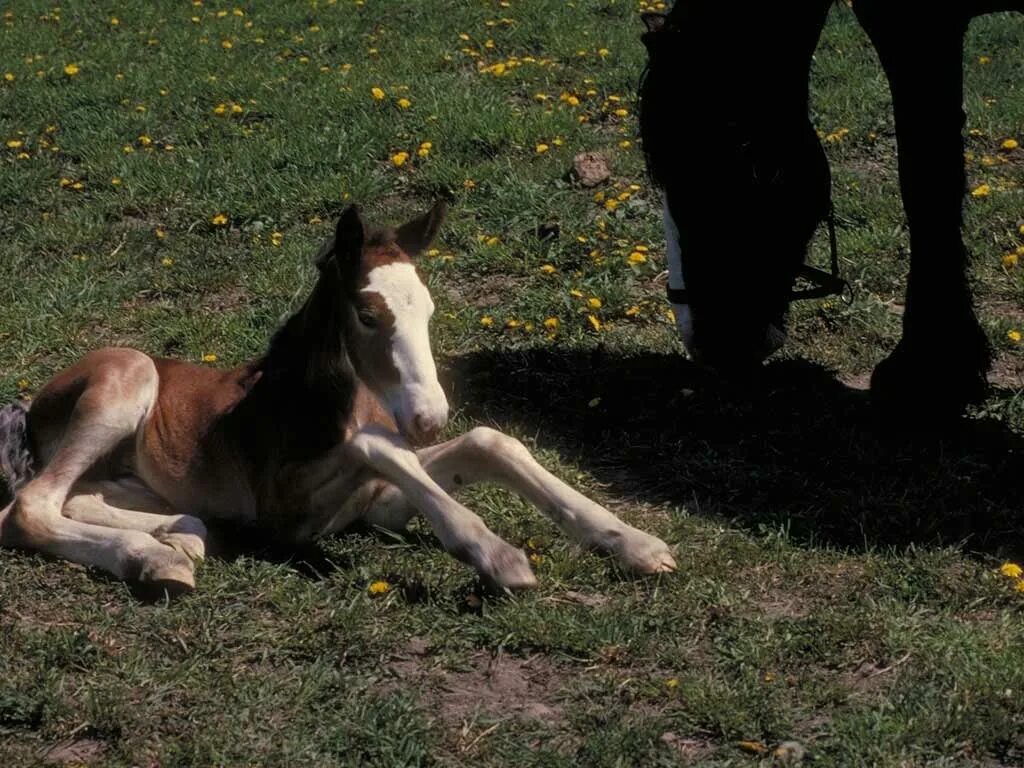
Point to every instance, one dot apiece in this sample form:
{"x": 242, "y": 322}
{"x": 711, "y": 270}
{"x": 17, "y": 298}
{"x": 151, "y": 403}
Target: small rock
{"x": 591, "y": 168}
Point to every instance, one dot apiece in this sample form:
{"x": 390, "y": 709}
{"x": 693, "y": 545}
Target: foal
{"x": 134, "y": 452}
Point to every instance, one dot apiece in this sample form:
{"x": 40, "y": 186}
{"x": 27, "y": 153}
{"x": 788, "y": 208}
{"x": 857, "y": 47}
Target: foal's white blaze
{"x": 684, "y": 319}
{"x": 418, "y": 402}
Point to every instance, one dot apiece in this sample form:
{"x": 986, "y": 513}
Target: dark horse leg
{"x": 939, "y": 365}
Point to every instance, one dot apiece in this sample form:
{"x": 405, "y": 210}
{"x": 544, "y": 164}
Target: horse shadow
{"x": 796, "y": 450}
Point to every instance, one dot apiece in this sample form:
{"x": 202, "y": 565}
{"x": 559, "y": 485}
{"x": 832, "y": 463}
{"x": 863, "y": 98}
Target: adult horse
{"x": 122, "y": 456}
{"x": 725, "y": 129}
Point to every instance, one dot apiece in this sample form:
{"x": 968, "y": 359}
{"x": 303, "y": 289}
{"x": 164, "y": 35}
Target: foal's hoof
{"x": 644, "y": 554}
{"x": 170, "y": 571}
{"x": 188, "y": 544}
{"x": 507, "y": 567}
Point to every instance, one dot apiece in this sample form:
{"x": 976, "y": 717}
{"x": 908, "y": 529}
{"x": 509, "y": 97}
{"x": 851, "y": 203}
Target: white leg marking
{"x": 461, "y": 532}
{"x": 130, "y": 505}
{"x": 108, "y": 411}
{"x": 684, "y": 318}
{"x": 486, "y": 455}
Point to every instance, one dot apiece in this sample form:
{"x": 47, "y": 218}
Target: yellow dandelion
{"x": 603, "y": 52}
{"x": 672, "y": 683}
{"x": 984, "y": 59}
{"x": 594, "y": 322}
{"x": 145, "y": 140}
{"x": 378, "y": 588}
{"x": 493, "y": 241}
{"x": 127, "y": 149}
{"x": 611, "y": 204}
{"x": 23, "y": 384}
{"x": 219, "y": 220}
{"x": 594, "y": 303}
{"x": 633, "y": 311}
{"x": 10, "y": 77}
{"x": 227, "y": 45}
{"x": 1010, "y": 260}
{"x": 276, "y": 238}
{"x": 78, "y": 185}
{"x": 982, "y": 190}
{"x": 486, "y": 321}
{"x": 399, "y": 158}
{"x": 378, "y": 94}
{"x": 404, "y": 103}
{"x": 468, "y": 184}
{"x": 1019, "y": 585}
{"x": 209, "y": 357}
{"x": 575, "y": 292}
{"x": 637, "y": 258}
{"x": 542, "y": 148}
{"x": 1011, "y": 570}
{"x": 220, "y": 109}
{"x": 65, "y": 182}
{"x": 621, "y": 112}
{"x": 625, "y": 144}
{"x": 1009, "y": 144}
{"x": 236, "y": 109}
{"x": 160, "y": 233}
{"x": 424, "y": 149}
{"x": 548, "y": 269}
{"x": 551, "y": 324}
{"x": 1014, "y": 336}
{"x": 512, "y": 323}
{"x": 114, "y": 21}
{"x": 71, "y": 70}
{"x": 14, "y": 143}
{"x": 167, "y": 261}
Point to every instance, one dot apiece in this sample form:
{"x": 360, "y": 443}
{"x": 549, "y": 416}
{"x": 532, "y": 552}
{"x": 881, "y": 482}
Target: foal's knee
{"x": 491, "y": 441}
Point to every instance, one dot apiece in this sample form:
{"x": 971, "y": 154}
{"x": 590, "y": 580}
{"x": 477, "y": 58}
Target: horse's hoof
{"x": 171, "y": 572}
{"x": 188, "y": 544}
{"x": 644, "y": 554}
{"x": 925, "y": 389}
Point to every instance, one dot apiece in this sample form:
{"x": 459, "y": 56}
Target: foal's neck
{"x": 299, "y": 405}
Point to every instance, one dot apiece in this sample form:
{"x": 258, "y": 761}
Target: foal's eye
{"x": 367, "y": 318}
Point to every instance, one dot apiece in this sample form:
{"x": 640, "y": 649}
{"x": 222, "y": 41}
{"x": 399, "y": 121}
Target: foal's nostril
{"x": 425, "y": 428}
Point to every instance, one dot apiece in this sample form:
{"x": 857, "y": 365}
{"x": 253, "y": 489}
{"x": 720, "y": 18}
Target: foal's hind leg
{"x": 130, "y": 505}
{"x": 484, "y": 454}
{"x": 119, "y": 389}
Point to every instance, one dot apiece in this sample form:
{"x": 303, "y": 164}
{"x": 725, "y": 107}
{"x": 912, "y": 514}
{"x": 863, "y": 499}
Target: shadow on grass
{"x": 797, "y": 450}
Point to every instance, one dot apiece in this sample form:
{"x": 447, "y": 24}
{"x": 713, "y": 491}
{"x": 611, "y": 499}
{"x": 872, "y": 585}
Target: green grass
{"x": 837, "y": 583}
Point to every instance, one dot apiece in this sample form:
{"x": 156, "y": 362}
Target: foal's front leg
{"x": 486, "y": 455}
{"x": 461, "y": 532}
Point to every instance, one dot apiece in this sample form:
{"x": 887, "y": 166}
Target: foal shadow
{"x": 796, "y": 450}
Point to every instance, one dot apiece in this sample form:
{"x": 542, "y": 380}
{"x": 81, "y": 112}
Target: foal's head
{"x": 723, "y": 119}
{"x": 384, "y": 310}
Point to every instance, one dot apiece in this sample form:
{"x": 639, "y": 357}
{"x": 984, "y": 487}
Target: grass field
{"x": 167, "y": 171}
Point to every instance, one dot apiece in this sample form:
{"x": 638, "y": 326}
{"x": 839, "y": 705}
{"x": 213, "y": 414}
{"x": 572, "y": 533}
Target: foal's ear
{"x": 655, "y": 22}
{"x": 351, "y": 232}
{"x": 348, "y": 237}
{"x": 416, "y": 236}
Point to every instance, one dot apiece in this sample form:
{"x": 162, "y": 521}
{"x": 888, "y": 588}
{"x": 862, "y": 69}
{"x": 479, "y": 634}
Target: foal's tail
{"x": 15, "y": 453}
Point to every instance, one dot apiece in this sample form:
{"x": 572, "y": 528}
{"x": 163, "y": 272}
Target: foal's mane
{"x": 306, "y": 381}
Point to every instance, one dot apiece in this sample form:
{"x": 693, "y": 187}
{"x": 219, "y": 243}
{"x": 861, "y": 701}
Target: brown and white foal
{"x": 133, "y": 452}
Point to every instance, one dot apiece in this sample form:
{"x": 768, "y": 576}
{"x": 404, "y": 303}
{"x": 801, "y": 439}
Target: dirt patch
{"x": 1007, "y": 372}
{"x": 481, "y": 291}
{"x": 870, "y": 676}
{"x": 491, "y": 687}
{"x": 228, "y": 298}
{"x": 75, "y": 751}
{"x": 690, "y": 750}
